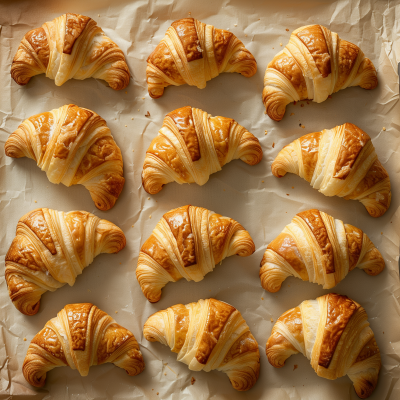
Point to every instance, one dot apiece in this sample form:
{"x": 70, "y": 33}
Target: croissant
{"x": 334, "y": 334}
{"x": 192, "y": 145}
{"x": 51, "y": 248}
{"x": 339, "y": 162}
{"x": 314, "y": 64}
{"x": 80, "y": 336}
{"x": 192, "y": 52}
{"x": 318, "y": 248}
{"x": 70, "y": 46}
{"x": 74, "y": 146}
{"x": 187, "y": 243}
{"x": 207, "y": 335}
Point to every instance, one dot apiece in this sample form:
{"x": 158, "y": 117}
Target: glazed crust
{"x": 207, "y": 335}
{"x": 71, "y": 338}
{"x": 317, "y": 248}
{"x": 314, "y": 64}
{"x": 51, "y": 248}
{"x": 192, "y": 145}
{"x": 192, "y": 52}
{"x": 187, "y": 243}
{"x": 339, "y": 162}
{"x": 70, "y": 46}
{"x": 334, "y": 334}
{"x": 74, "y": 146}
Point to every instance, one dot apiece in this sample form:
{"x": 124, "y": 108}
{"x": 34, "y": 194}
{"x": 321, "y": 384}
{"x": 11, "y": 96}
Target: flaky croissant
{"x": 192, "y": 52}
{"x": 51, "y": 248}
{"x": 81, "y": 336}
{"x": 313, "y": 65}
{"x": 187, "y": 243}
{"x": 334, "y": 334}
{"x": 316, "y": 247}
{"x": 192, "y": 145}
{"x": 339, "y": 162}
{"x": 207, "y": 335}
{"x": 70, "y": 46}
{"x": 74, "y": 146}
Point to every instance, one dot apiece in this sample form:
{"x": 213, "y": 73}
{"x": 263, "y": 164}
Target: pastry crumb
{"x": 287, "y": 194}
{"x": 287, "y": 30}
{"x": 262, "y": 181}
{"x": 307, "y": 102}
{"x": 149, "y": 216}
{"x": 193, "y": 380}
{"x": 98, "y": 15}
{"x": 132, "y": 118}
{"x": 35, "y": 201}
{"x": 235, "y": 24}
{"x": 126, "y": 92}
{"x": 302, "y": 105}
{"x": 165, "y": 374}
{"x": 381, "y": 233}
{"x": 157, "y": 393}
{"x": 291, "y": 114}
{"x": 142, "y": 98}
{"x": 266, "y": 131}
{"x": 295, "y": 366}
{"x": 280, "y": 44}
{"x": 138, "y": 110}
{"x": 224, "y": 190}
{"x": 147, "y": 114}
{"x": 89, "y": 291}
{"x": 273, "y": 145}
{"x": 292, "y": 187}
{"x": 133, "y": 226}
{"x": 116, "y": 312}
{"x": 133, "y": 151}
{"x": 329, "y": 97}
{"x": 272, "y": 320}
{"x": 245, "y": 35}
{"x": 24, "y": 339}
{"x": 148, "y": 198}
{"x": 126, "y": 126}
{"x": 384, "y": 129}
{"x": 262, "y": 298}
{"x": 303, "y": 126}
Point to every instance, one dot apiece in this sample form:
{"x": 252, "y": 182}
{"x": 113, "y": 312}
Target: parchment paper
{"x": 251, "y": 195}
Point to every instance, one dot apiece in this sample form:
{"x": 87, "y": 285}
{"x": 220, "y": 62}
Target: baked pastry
{"x": 316, "y": 247}
{"x": 70, "y": 46}
{"x": 187, "y": 243}
{"x": 313, "y": 65}
{"x": 192, "y": 145}
{"x": 334, "y": 334}
{"x": 74, "y": 146}
{"x": 207, "y": 335}
{"x": 192, "y": 52}
{"x": 339, "y": 162}
{"x": 81, "y": 336}
{"x": 51, "y": 248}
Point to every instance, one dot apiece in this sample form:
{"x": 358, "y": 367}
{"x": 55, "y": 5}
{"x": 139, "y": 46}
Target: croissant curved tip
{"x": 268, "y": 282}
{"x": 12, "y": 150}
{"x": 277, "y": 170}
{"x": 155, "y": 92}
{"x": 150, "y": 184}
{"x": 17, "y": 73}
{"x": 369, "y": 78}
{"x": 28, "y": 308}
{"x": 364, "y": 388}
{"x": 275, "y": 102}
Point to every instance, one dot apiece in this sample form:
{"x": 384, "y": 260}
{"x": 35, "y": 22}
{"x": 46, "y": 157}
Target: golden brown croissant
{"x": 339, "y": 162}
{"x": 192, "y": 52}
{"x": 81, "y": 336}
{"x": 51, "y": 248}
{"x": 207, "y": 335}
{"x": 314, "y": 64}
{"x": 70, "y": 46}
{"x": 192, "y": 145}
{"x": 334, "y": 334}
{"x": 316, "y": 247}
{"x": 187, "y": 243}
{"x": 74, "y": 146}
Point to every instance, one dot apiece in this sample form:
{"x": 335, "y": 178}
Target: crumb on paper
{"x": 302, "y": 105}
{"x": 116, "y": 312}
{"x": 148, "y": 198}
{"x": 147, "y": 114}
{"x": 120, "y": 263}
{"x": 294, "y": 103}
{"x": 133, "y": 151}
{"x": 245, "y": 35}
{"x": 307, "y": 102}
{"x": 35, "y": 201}
{"x": 273, "y": 145}
{"x": 329, "y": 97}
{"x": 266, "y": 131}
{"x": 126, "y": 126}
{"x": 295, "y": 366}
{"x": 165, "y": 374}
{"x": 149, "y": 216}
{"x": 193, "y": 380}
{"x": 126, "y": 92}
{"x": 142, "y": 98}
{"x": 98, "y": 15}
{"x": 262, "y": 181}
{"x": 262, "y": 298}
{"x": 157, "y": 393}
{"x": 133, "y": 226}
{"x": 224, "y": 190}
{"x": 287, "y": 194}
{"x": 24, "y": 339}
{"x": 280, "y": 44}
{"x": 138, "y": 110}
{"x": 132, "y": 118}
{"x": 89, "y": 291}
{"x": 384, "y": 129}
{"x": 303, "y": 126}
{"x": 381, "y": 233}
{"x": 287, "y": 29}
{"x": 292, "y": 187}
{"x": 235, "y": 25}
{"x": 272, "y": 320}
{"x": 291, "y": 114}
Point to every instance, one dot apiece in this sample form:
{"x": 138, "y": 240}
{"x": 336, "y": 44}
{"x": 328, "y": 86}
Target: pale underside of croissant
{"x": 192, "y": 52}
{"x": 207, "y": 335}
{"x": 187, "y": 243}
{"x": 192, "y": 145}
{"x": 73, "y": 145}
{"x": 334, "y": 334}
{"x": 81, "y": 336}
{"x": 314, "y": 64}
{"x": 339, "y": 162}
{"x": 70, "y": 46}
{"x": 51, "y": 248}
{"x": 316, "y": 247}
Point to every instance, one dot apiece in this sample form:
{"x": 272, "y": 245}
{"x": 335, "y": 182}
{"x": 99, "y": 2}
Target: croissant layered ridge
{"x": 193, "y": 53}
{"x": 81, "y": 336}
{"x": 70, "y": 46}
{"x": 73, "y": 145}
{"x": 339, "y": 162}
{"x": 192, "y": 145}
{"x": 187, "y": 243}
{"x": 334, "y": 334}
{"x": 314, "y": 64}
{"x": 208, "y": 335}
{"x": 51, "y": 248}
{"x": 316, "y": 247}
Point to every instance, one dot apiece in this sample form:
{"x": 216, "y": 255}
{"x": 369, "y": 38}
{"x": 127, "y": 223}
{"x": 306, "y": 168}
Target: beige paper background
{"x": 236, "y": 191}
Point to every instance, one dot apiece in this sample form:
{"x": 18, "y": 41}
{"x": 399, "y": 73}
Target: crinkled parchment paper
{"x": 251, "y": 195}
